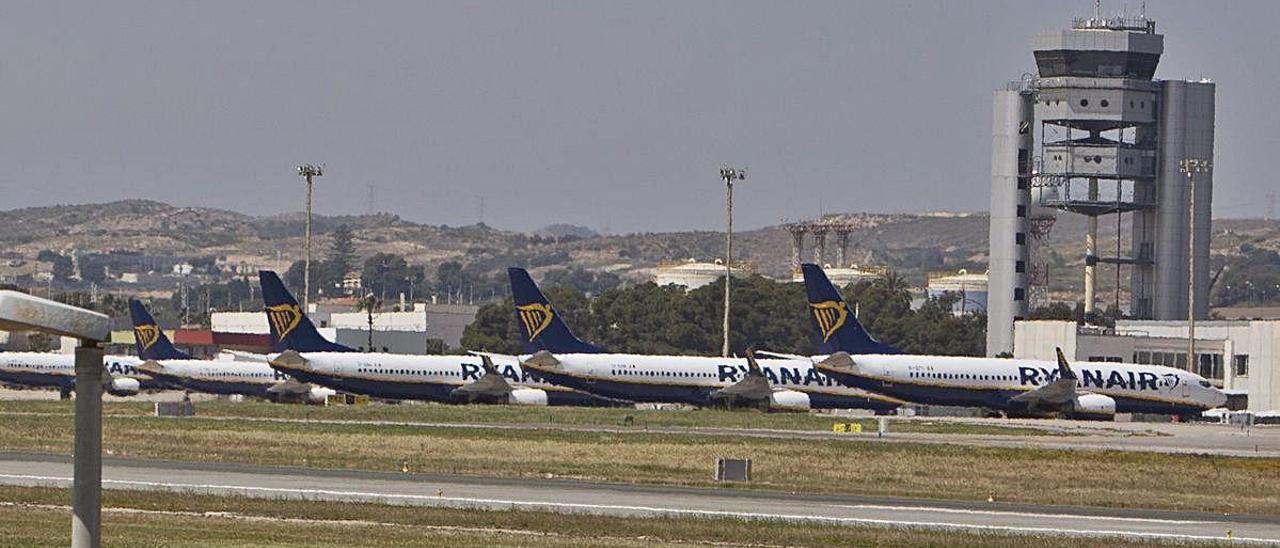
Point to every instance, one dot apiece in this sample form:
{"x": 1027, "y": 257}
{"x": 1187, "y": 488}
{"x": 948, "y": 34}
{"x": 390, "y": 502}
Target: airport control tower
{"x": 1095, "y": 134}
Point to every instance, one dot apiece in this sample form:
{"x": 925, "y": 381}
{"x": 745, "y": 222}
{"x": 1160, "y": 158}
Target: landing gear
{"x": 64, "y": 393}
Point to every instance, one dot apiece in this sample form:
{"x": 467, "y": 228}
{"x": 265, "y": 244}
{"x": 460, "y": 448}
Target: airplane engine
{"x": 528, "y": 396}
{"x": 318, "y": 395}
{"x": 1093, "y": 407}
{"x": 123, "y": 386}
{"x": 789, "y": 400}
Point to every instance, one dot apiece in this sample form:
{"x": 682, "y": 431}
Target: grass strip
{"x": 37, "y": 517}
{"x": 1045, "y": 476}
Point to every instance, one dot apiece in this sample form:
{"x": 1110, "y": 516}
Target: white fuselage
{"x": 990, "y": 382}
{"x": 432, "y": 378}
{"x": 688, "y": 379}
{"x": 218, "y": 376}
{"x": 41, "y": 369}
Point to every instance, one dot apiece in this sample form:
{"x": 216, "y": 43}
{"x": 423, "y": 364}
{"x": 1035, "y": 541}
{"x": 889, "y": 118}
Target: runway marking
{"x": 942, "y": 510}
{"x": 668, "y": 511}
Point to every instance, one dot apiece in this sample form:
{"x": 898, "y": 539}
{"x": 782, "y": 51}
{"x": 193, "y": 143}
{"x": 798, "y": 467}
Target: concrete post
{"x": 86, "y": 491}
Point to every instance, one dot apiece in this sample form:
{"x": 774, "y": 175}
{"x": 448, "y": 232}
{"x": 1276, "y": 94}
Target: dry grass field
{"x": 1101, "y": 478}
{"x": 38, "y": 517}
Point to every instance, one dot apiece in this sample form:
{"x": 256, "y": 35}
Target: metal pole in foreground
{"x": 308, "y": 171}
{"x": 729, "y": 175}
{"x": 86, "y": 491}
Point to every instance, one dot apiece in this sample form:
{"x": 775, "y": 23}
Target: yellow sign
{"x": 284, "y": 318}
{"x": 847, "y": 428}
{"x": 536, "y": 317}
{"x": 147, "y": 335}
{"x": 830, "y": 316}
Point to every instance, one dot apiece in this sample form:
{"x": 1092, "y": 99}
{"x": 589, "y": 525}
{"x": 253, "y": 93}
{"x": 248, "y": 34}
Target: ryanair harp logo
{"x": 535, "y": 317}
{"x": 830, "y": 316}
{"x": 147, "y": 335}
{"x": 284, "y": 318}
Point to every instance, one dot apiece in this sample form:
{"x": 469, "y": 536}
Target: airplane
{"x": 560, "y": 357}
{"x": 309, "y": 357}
{"x": 50, "y": 370}
{"x": 1014, "y": 387}
{"x": 180, "y": 371}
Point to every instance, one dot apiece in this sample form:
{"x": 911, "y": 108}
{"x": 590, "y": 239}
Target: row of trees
{"x": 647, "y": 318}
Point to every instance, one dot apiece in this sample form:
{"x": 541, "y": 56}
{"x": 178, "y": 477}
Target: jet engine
{"x": 1093, "y": 407}
{"x": 123, "y": 386}
{"x": 528, "y": 396}
{"x": 788, "y": 400}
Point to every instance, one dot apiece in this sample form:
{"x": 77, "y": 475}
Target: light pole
{"x": 729, "y": 175}
{"x": 1192, "y": 166}
{"x": 22, "y": 312}
{"x": 308, "y": 171}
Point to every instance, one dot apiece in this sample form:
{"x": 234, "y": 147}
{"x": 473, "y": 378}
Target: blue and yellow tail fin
{"x": 149, "y": 340}
{"x": 540, "y": 325}
{"x": 837, "y": 328}
{"x": 290, "y": 327}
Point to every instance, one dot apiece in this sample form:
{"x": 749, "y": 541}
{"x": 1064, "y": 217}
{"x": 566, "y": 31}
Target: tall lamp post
{"x": 729, "y": 175}
{"x": 1192, "y": 166}
{"x": 22, "y": 312}
{"x": 308, "y": 171}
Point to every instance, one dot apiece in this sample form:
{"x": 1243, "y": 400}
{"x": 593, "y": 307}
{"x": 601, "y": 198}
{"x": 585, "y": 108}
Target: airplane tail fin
{"x": 149, "y": 340}
{"x": 540, "y": 325}
{"x": 837, "y": 329}
{"x": 1064, "y": 369}
{"x": 290, "y": 327}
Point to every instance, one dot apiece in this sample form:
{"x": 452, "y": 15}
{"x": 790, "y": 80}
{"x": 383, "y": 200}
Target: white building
{"x": 842, "y": 276}
{"x": 1240, "y": 356}
{"x": 693, "y": 274}
{"x": 422, "y": 329}
{"x": 970, "y": 290}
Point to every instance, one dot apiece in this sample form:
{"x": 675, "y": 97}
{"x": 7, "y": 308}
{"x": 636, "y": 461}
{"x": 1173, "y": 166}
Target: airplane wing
{"x": 1055, "y": 394}
{"x": 781, "y": 355}
{"x": 247, "y": 356}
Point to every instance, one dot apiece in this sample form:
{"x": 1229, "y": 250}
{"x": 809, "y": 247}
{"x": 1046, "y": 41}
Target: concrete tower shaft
{"x": 1011, "y": 147}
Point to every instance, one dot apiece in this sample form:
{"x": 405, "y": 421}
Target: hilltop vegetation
{"x": 912, "y": 245}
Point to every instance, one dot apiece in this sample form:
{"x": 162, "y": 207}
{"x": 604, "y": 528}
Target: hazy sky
{"x": 614, "y": 115}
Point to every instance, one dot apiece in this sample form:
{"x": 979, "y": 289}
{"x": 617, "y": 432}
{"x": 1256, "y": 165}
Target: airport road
{"x": 638, "y": 501}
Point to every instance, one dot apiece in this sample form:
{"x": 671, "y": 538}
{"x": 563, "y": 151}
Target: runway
{"x": 629, "y": 500}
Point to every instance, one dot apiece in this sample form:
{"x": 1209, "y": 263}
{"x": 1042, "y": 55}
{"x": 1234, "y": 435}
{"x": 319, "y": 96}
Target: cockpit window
{"x": 1205, "y": 384}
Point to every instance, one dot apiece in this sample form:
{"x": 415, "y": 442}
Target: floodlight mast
{"x": 308, "y": 171}
{"x": 1192, "y": 166}
{"x": 729, "y": 175}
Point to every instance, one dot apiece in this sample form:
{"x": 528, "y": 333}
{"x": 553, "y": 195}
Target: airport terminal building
{"x": 1238, "y": 356}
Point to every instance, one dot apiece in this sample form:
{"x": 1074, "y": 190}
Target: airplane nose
{"x": 1217, "y": 398}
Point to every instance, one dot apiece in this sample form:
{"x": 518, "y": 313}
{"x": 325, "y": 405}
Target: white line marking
{"x": 656, "y": 510}
{"x": 1012, "y": 513}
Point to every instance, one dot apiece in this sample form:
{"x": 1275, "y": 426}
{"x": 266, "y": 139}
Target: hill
{"x": 911, "y": 244}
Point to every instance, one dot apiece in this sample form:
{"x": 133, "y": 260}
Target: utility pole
{"x": 729, "y": 175}
{"x": 1192, "y": 166}
{"x": 308, "y": 171}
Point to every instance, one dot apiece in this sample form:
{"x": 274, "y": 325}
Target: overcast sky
{"x": 613, "y": 115}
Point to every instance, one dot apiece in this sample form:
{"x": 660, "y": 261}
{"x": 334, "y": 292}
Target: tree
{"x": 387, "y": 275}
{"x": 62, "y": 265}
{"x": 449, "y": 277}
{"x": 341, "y": 261}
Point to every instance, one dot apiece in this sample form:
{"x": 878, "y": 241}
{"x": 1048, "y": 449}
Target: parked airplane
{"x": 309, "y": 357}
{"x": 1016, "y": 387}
{"x": 180, "y": 371}
{"x": 562, "y": 358}
{"x": 49, "y": 370}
